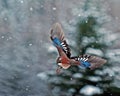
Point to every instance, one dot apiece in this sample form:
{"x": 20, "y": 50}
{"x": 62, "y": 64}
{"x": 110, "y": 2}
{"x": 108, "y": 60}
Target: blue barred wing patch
{"x": 57, "y": 36}
{"x": 85, "y": 63}
{"x": 57, "y": 42}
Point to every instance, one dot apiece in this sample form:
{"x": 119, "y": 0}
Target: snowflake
{"x": 3, "y": 37}
{"x": 31, "y": 9}
{"x": 21, "y": 1}
{"x": 5, "y": 19}
{"x": 30, "y": 44}
{"x": 54, "y": 8}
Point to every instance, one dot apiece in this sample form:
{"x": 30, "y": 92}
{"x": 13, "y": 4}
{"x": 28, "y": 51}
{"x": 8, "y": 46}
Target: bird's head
{"x": 63, "y": 62}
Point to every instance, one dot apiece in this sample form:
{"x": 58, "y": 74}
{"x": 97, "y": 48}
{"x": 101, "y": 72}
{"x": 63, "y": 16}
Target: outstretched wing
{"x": 57, "y": 36}
{"x": 89, "y": 61}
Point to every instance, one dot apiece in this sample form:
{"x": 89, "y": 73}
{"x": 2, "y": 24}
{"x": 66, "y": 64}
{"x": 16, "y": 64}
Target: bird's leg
{"x": 58, "y": 69}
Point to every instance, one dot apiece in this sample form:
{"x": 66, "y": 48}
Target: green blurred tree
{"x": 89, "y": 39}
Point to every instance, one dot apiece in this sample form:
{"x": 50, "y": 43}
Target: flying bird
{"x": 65, "y": 60}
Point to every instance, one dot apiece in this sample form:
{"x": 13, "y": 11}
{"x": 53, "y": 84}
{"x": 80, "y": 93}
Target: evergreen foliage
{"x": 72, "y": 82}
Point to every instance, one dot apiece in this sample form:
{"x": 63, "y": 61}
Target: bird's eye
{"x": 59, "y": 60}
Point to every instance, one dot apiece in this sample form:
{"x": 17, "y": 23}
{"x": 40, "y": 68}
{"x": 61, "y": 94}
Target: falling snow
{"x": 27, "y": 55}
{"x": 3, "y": 37}
{"x": 5, "y": 19}
{"x": 54, "y": 8}
{"x": 21, "y": 1}
{"x": 89, "y": 90}
{"x": 31, "y": 9}
{"x": 30, "y": 44}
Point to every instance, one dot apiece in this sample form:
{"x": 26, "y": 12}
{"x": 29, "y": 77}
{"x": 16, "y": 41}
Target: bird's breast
{"x": 65, "y": 60}
{"x": 64, "y": 66}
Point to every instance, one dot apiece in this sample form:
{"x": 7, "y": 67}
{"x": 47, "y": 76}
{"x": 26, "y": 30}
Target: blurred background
{"x": 27, "y": 56}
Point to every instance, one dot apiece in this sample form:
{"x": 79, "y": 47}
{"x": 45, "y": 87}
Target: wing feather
{"x": 94, "y": 61}
{"x": 57, "y": 36}
{"x": 57, "y": 32}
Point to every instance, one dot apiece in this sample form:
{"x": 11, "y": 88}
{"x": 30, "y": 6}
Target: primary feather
{"x": 57, "y": 32}
{"x": 96, "y": 61}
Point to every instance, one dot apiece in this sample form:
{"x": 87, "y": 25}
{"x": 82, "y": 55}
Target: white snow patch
{"x": 90, "y": 90}
{"x": 42, "y": 76}
{"x": 77, "y": 75}
{"x": 94, "y": 78}
{"x": 30, "y": 44}
{"x": 31, "y": 9}
{"x": 79, "y": 15}
{"x": 21, "y": 1}
{"x": 54, "y": 8}
{"x": 95, "y": 51}
{"x": 2, "y": 37}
